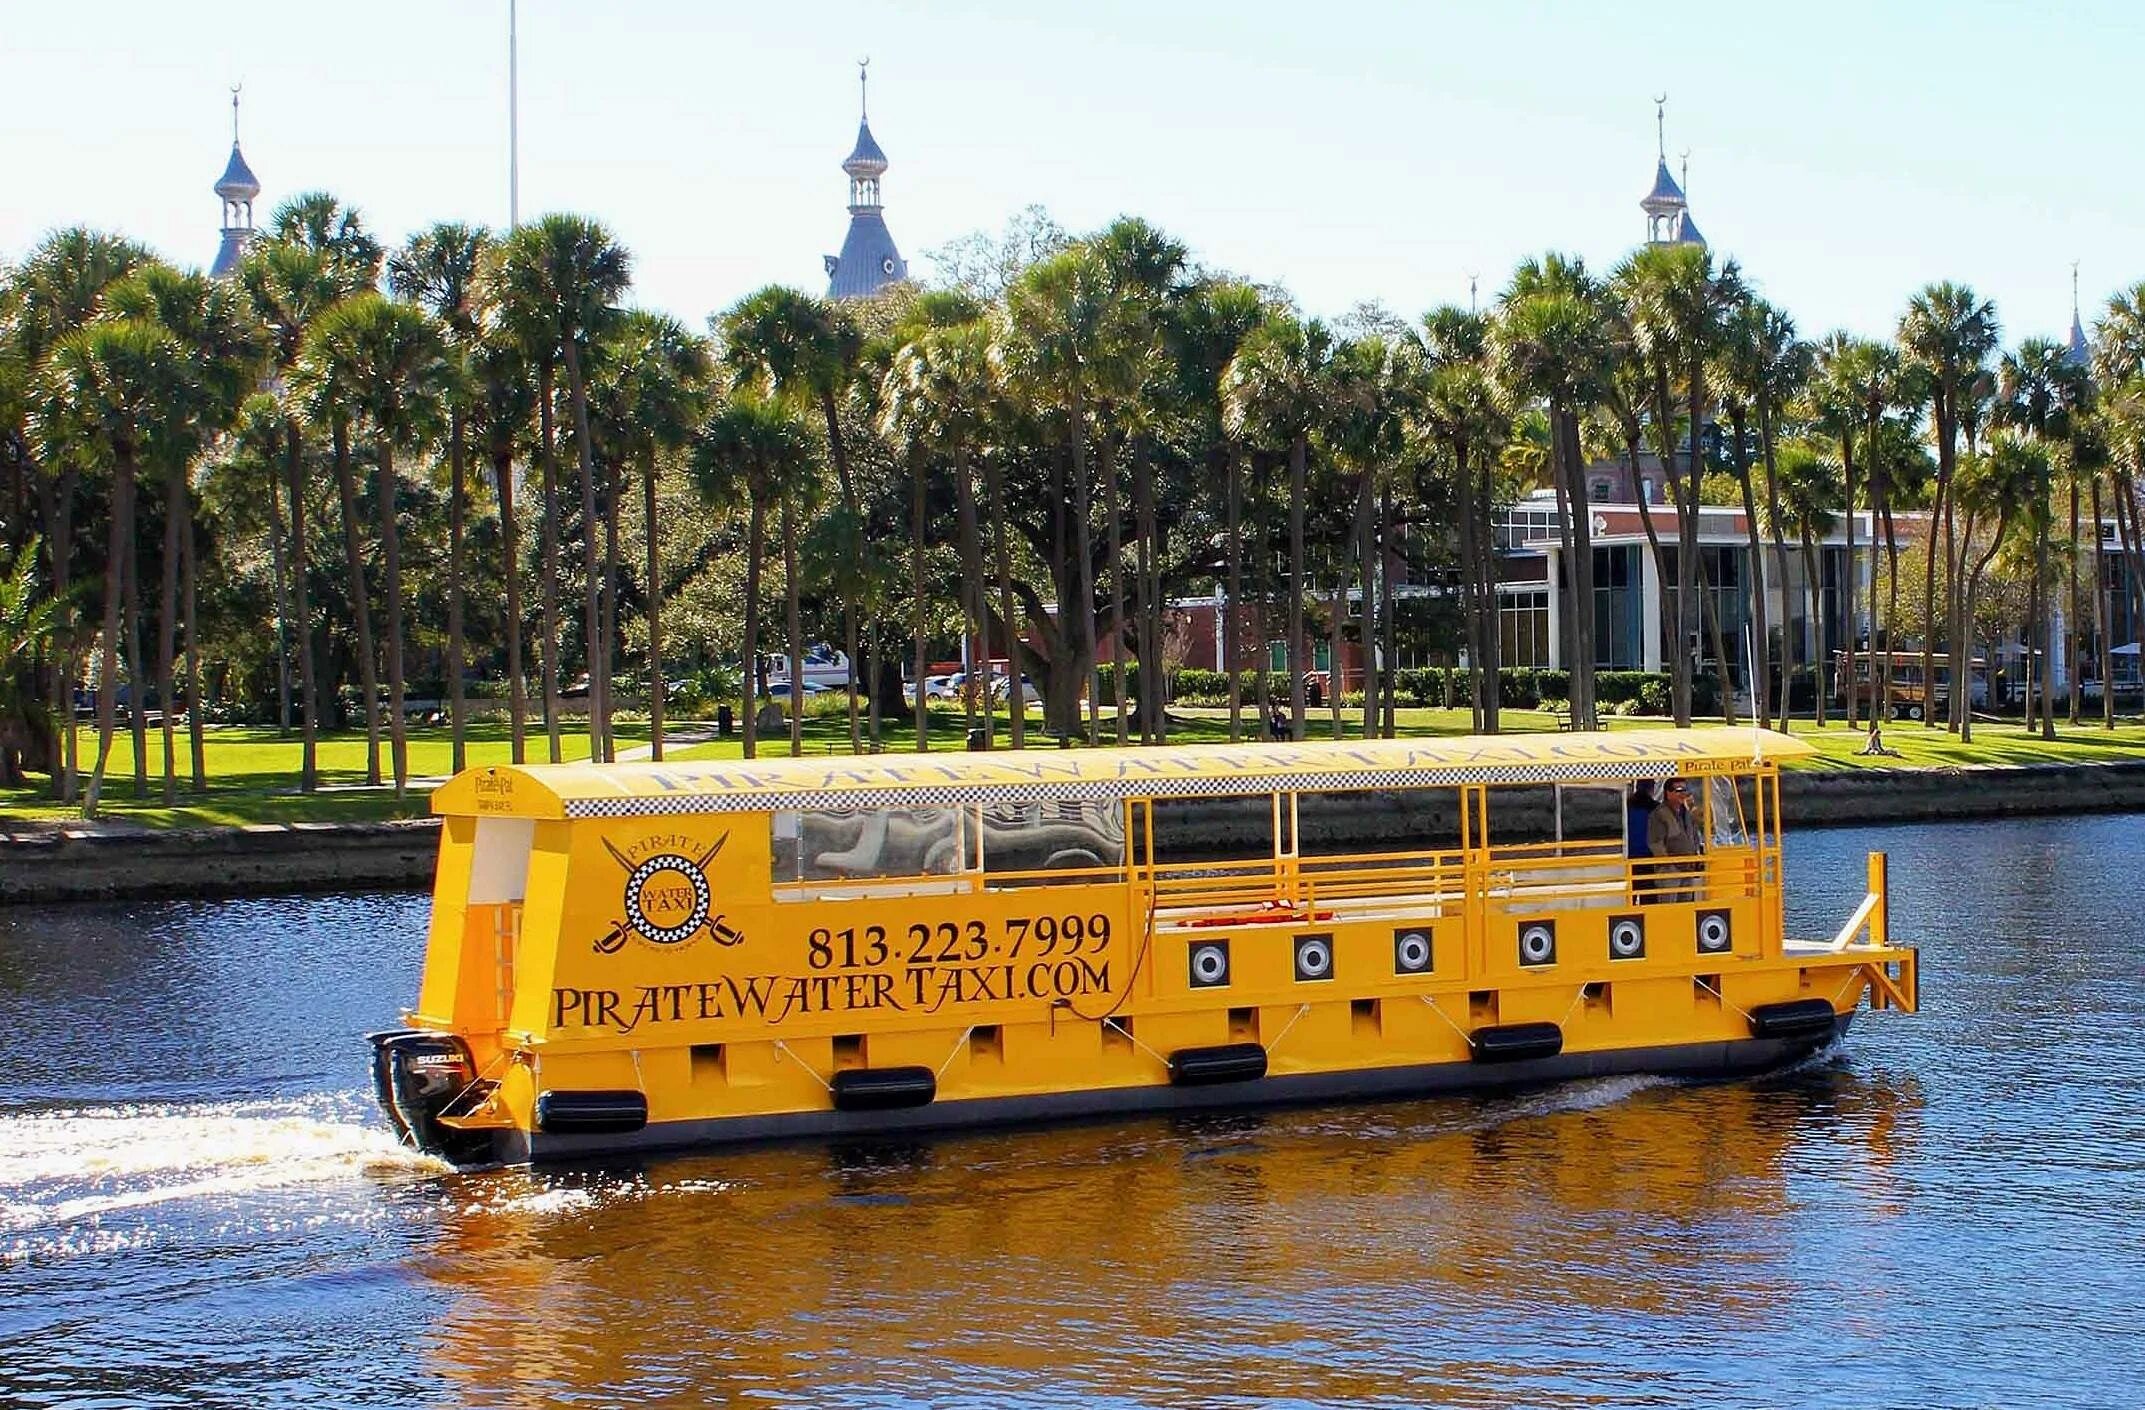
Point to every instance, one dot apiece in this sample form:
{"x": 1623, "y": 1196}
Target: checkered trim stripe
{"x": 1113, "y": 790}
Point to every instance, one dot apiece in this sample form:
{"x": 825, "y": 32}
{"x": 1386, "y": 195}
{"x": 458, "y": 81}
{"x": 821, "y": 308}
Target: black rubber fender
{"x": 591, "y": 1113}
{"x": 1228, "y": 1062}
{"x": 1516, "y": 1042}
{"x": 1799, "y": 1018}
{"x": 883, "y": 1088}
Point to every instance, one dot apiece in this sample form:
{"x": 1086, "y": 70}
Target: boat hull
{"x": 1731, "y": 1058}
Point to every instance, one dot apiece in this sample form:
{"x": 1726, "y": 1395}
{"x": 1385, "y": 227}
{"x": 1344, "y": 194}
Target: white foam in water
{"x": 63, "y": 1167}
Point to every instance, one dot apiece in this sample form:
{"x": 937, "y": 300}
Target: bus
{"x": 638, "y": 956}
{"x": 1909, "y": 700}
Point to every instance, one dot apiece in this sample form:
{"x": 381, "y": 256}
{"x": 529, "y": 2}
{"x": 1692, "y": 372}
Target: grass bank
{"x": 253, "y": 773}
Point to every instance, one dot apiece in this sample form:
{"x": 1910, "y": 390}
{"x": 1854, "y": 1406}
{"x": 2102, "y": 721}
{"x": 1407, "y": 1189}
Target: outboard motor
{"x": 418, "y": 1076}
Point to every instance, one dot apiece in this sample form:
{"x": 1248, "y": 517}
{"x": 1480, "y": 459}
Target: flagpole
{"x": 513, "y": 114}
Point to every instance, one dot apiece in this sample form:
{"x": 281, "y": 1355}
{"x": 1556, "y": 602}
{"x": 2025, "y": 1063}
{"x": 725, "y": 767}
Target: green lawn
{"x": 254, "y": 772}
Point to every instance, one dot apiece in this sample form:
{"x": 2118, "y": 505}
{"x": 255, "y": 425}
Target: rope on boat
{"x": 958, "y": 1044}
{"x": 1129, "y": 1037}
{"x": 1469, "y": 1037}
{"x": 1724, "y": 999}
{"x": 783, "y": 1048}
{"x": 1301, "y": 1010}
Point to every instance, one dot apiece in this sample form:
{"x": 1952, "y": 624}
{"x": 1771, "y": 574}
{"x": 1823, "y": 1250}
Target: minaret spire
{"x": 2076, "y": 349}
{"x": 1664, "y": 204}
{"x": 868, "y": 260}
{"x": 1660, "y": 128}
{"x": 236, "y": 187}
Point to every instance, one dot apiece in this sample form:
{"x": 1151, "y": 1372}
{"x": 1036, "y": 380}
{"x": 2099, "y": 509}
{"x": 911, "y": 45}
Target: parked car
{"x": 1001, "y": 689}
{"x": 946, "y": 687}
{"x": 780, "y": 689}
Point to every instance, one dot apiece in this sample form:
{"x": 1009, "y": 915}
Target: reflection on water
{"x": 195, "y": 1201}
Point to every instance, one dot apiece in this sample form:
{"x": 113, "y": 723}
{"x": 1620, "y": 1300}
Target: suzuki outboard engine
{"x": 421, "y": 1076}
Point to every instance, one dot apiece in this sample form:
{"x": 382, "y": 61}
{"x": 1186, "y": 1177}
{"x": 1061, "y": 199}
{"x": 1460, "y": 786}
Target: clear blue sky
{"x": 1845, "y": 152}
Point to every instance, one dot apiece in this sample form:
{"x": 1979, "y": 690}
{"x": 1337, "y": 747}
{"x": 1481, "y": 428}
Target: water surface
{"x": 198, "y": 1206}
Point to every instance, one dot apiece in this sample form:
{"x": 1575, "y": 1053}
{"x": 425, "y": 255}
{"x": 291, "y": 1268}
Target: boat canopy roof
{"x": 1050, "y": 775}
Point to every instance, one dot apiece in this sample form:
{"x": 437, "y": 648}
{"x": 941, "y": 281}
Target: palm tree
{"x": 1762, "y": 367}
{"x": 438, "y": 269}
{"x": 805, "y": 349}
{"x": 1059, "y": 318}
{"x": 1679, "y": 306}
{"x": 560, "y": 278}
{"x": 752, "y": 449}
{"x": 322, "y": 379}
{"x": 2037, "y": 389}
{"x": 391, "y": 365}
{"x": 56, "y": 290}
{"x": 1210, "y": 323}
{"x": 107, "y": 393}
{"x": 2009, "y": 484}
{"x": 27, "y": 621}
{"x": 1276, "y": 392}
{"x": 658, "y": 374}
{"x": 226, "y": 348}
{"x": 290, "y": 285}
{"x": 1551, "y": 342}
{"x": 1809, "y": 491}
{"x": 1948, "y": 333}
{"x": 1462, "y": 414}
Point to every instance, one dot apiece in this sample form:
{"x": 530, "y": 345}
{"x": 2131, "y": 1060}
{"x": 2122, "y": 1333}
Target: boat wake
{"x": 72, "y": 1170}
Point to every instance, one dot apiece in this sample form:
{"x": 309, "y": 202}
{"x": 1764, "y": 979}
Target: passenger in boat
{"x": 1672, "y": 831}
{"x": 1638, "y": 809}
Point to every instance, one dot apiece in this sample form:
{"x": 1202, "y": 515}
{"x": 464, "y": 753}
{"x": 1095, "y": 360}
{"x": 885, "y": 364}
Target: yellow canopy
{"x": 1046, "y": 775}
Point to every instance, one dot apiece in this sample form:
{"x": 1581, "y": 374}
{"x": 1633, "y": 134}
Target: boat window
{"x": 846, "y": 844}
{"x": 499, "y": 867}
{"x": 1552, "y": 814}
{"x": 1066, "y": 835}
{"x": 1363, "y": 822}
{"x": 1727, "y": 812}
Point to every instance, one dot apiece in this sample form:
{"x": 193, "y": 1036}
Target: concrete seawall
{"x": 57, "y": 866}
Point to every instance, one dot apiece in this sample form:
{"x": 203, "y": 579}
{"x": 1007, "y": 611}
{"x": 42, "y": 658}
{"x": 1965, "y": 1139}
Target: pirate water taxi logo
{"x": 668, "y": 899}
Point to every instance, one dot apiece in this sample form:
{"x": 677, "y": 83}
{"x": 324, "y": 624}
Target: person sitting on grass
{"x": 1875, "y": 745}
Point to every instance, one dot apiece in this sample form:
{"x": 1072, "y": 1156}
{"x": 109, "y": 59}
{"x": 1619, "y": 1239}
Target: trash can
{"x": 725, "y": 721}
{"x": 975, "y": 738}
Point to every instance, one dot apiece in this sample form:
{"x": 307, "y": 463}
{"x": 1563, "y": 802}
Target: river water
{"x": 198, "y": 1206}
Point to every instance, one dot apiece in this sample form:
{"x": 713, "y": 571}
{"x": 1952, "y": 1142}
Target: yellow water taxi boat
{"x": 640, "y": 956}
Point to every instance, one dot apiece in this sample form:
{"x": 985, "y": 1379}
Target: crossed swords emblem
{"x": 638, "y": 875}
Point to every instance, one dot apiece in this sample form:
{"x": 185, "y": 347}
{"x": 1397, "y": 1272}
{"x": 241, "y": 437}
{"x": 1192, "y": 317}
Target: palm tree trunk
{"x": 167, "y": 630}
{"x": 1891, "y": 614}
{"x": 1366, "y": 553}
{"x": 1233, "y": 514}
{"x": 391, "y": 553}
{"x": 838, "y": 452}
{"x": 917, "y": 525}
{"x": 2103, "y": 615}
{"x": 1336, "y": 627}
{"x": 1146, "y": 610}
{"x": 302, "y": 616}
{"x": 549, "y": 553}
{"x": 973, "y": 601}
{"x": 517, "y": 684}
{"x": 1387, "y": 549}
{"x": 1016, "y": 697}
{"x": 1106, "y": 464}
{"x": 360, "y": 599}
{"x": 794, "y": 621}
{"x": 1813, "y": 594}
{"x": 656, "y": 686}
{"x": 1760, "y": 616}
{"x": 1581, "y": 678}
{"x": 1960, "y": 686}
{"x": 755, "y": 550}
{"x": 2044, "y": 601}
{"x": 1298, "y": 470}
{"x": 280, "y": 586}
{"x": 59, "y": 550}
{"x": 592, "y": 567}
{"x": 457, "y": 511}
{"x": 1817, "y": 676}
{"x": 115, "y": 558}
{"x": 1477, "y": 617}
{"x": 610, "y": 604}
{"x": 137, "y": 677}
{"x": 188, "y": 584}
{"x": 1084, "y": 556}
{"x": 2077, "y": 611}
